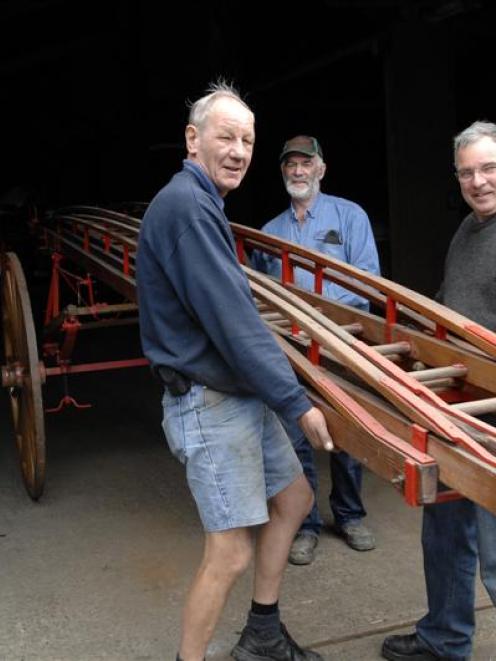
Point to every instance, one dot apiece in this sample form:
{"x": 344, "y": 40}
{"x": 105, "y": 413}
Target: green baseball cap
{"x": 301, "y": 144}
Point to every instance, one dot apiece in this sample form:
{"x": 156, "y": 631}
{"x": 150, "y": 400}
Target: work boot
{"x": 254, "y": 646}
{"x": 356, "y": 535}
{"x": 409, "y": 648}
{"x": 303, "y": 549}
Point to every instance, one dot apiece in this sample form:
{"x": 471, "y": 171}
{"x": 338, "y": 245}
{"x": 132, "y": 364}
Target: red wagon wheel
{"x": 22, "y": 374}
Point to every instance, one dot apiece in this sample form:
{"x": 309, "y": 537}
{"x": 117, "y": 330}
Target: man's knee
{"x": 229, "y": 553}
{"x": 306, "y": 493}
{"x": 296, "y": 500}
{"x": 310, "y": 499}
{"x": 239, "y": 561}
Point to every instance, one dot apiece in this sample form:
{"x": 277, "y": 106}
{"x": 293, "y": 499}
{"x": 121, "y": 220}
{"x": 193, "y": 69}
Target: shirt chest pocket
{"x": 331, "y": 237}
{"x": 330, "y": 242}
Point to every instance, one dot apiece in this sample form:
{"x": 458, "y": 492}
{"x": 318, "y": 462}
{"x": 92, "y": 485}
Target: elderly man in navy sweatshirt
{"x": 226, "y": 384}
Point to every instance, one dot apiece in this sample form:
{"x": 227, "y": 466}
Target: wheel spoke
{"x": 21, "y": 352}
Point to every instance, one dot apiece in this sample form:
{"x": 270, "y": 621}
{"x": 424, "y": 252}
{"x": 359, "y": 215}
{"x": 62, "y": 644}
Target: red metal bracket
{"x": 441, "y": 333}
{"x": 313, "y": 352}
{"x": 391, "y": 317}
{"x": 419, "y": 437}
{"x": 319, "y": 278}
{"x": 88, "y": 283}
{"x": 70, "y": 327}
{"x": 447, "y": 496}
{"x": 411, "y": 487}
{"x": 125, "y": 260}
{"x": 65, "y": 402}
{"x": 240, "y": 250}
{"x": 53, "y": 303}
{"x": 419, "y": 441}
{"x": 287, "y": 274}
{"x": 86, "y": 240}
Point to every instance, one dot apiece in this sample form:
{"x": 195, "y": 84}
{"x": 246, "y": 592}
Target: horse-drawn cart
{"x": 399, "y": 388}
{"x": 94, "y": 243}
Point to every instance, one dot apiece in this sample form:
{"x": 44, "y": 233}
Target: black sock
{"x": 264, "y": 609}
{"x": 264, "y": 617}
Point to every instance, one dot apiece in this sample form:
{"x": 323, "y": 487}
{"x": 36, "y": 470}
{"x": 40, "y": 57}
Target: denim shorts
{"x": 236, "y": 453}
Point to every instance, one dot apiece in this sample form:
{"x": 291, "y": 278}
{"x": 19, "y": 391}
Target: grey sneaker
{"x": 356, "y": 535}
{"x": 253, "y": 647}
{"x": 303, "y": 549}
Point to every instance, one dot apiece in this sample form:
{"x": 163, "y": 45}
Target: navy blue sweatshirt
{"x": 197, "y": 314}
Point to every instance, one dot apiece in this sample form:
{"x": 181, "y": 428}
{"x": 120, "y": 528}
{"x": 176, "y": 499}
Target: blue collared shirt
{"x": 334, "y": 226}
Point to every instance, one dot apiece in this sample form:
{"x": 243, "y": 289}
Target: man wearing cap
{"x": 340, "y": 229}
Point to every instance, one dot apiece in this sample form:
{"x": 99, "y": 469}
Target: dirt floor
{"x": 97, "y": 569}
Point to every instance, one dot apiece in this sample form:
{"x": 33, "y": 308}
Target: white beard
{"x": 298, "y": 193}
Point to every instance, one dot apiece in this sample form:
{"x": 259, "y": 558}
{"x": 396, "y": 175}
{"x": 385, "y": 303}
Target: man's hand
{"x": 314, "y": 427}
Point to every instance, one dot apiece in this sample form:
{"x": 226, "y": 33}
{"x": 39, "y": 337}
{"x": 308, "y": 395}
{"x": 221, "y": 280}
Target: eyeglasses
{"x": 467, "y": 174}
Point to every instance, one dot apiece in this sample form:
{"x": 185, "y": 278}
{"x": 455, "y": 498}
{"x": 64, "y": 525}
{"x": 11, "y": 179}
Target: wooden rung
{"x": 74, "y": 311}
{"x": 272, "y": 316}
{"x": 394, "y": 357}
{"x": 438, "y": 385}
{"x": 282, "y": 323}
{"x": 394, "y": 347}
{"x": 477, "y": 407}
{"x": 451, "y": 371}
{"x": 354, "y": 329}
{"x": 277, "y": 318}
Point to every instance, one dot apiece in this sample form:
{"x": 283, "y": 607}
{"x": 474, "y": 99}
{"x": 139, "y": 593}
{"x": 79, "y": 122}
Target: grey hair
{"x": 476, "y": 131}
{"x": 200, "y": 109}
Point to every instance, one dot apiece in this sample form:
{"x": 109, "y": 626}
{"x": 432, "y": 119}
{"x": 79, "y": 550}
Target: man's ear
{"x": 191, "y": 134}
{"x": 322, "y": 171}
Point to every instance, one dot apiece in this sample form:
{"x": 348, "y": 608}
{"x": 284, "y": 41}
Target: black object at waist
{"x": 175, "y": 382}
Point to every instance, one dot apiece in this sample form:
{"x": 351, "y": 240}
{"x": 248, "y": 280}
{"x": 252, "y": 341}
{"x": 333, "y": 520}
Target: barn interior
{"x": 95, "y": 102}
